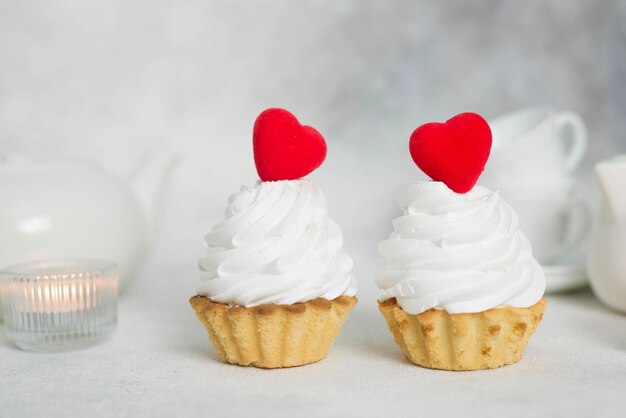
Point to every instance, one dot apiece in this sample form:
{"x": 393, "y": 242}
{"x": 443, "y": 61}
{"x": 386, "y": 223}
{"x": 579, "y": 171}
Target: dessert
{"x": 276, "y": 284}
{"x": 460, "y": 287}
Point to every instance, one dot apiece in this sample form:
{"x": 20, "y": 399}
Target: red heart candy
{"x": 284, "y": 149}
{"x": 454, "y": 152}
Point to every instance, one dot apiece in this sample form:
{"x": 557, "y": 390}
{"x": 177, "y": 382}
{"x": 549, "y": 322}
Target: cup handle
{"x": 573, "y": 133}
{"x": 578, "y": 223}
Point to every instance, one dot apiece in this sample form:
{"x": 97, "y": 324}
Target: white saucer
{"x": 565, "y": 277}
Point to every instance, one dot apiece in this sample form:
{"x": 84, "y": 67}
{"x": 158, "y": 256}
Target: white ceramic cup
{"x": 554, "y": 221}
{"x": 535, "y": 146}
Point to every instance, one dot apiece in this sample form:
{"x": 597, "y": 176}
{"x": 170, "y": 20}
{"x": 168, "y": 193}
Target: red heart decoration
{"x": 284, "y": 149}
{"x": 454, "y": 152}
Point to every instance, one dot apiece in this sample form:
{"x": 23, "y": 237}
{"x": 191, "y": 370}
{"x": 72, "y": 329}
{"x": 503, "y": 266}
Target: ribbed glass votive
{"x": 59, "y": 305}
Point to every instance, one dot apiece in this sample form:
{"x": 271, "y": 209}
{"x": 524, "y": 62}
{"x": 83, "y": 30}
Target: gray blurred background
{"x": 114, "y": 80}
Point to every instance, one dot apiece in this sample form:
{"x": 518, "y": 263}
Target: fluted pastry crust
{"x": 485, "y": 340}
{"x": 270, "y": 335}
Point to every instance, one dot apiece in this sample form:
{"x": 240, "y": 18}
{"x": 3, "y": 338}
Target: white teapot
{"x": 606, "y": 264}
{"x": 76, "y": 209}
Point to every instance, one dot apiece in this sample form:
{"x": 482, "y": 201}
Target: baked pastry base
{"x": 485, "y": 340}
{"x": 273, "y": 336}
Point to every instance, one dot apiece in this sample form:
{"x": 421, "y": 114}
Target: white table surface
{"x": 160, "y": 363}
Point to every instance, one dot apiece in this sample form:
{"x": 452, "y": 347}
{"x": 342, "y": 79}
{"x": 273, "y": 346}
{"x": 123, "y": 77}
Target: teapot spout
{"x": 611, "y": 175}
{"x": 150, "y": 180}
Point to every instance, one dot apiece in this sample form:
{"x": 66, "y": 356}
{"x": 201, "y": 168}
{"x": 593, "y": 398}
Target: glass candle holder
{"x": 59, "y": 305}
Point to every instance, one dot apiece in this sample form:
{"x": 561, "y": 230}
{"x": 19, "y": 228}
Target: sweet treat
{"x": 276, "y": 284}
{"x": 460, "y": 287}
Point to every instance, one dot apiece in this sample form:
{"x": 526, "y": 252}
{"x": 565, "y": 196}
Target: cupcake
{"x": 460, "y": 287}
{"x": 276, "y": 285}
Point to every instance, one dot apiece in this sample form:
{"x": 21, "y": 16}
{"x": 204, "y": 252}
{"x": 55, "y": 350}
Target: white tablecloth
{"x": 160, "y": 363}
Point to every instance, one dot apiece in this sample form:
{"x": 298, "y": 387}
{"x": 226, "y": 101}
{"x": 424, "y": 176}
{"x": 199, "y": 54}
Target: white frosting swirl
{"x": 276, "y": 245}
{"x": 463, "y": 253}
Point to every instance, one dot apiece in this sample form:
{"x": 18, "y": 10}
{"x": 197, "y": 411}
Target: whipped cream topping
{"x": 463, "y": 253}
{"x": 276, "y": 245}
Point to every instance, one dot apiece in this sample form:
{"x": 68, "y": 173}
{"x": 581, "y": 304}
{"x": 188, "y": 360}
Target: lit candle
{"x": 59, "y": 305}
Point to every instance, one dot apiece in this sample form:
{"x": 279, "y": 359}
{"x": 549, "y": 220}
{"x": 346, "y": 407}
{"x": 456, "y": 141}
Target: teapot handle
{"x": 150, "y": 181}
{"x": 573, "y": 133}
{"x": 578, "y": 225}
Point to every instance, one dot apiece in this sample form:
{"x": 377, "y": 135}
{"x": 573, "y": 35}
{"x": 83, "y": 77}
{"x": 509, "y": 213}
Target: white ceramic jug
{"x": 76, "y": 209}
{"x": 606, "y": 264}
